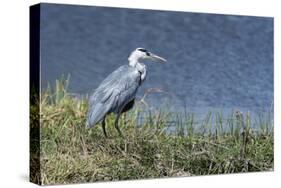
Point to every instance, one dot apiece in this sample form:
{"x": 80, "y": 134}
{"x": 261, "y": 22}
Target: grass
{"x": 70, "y": 153}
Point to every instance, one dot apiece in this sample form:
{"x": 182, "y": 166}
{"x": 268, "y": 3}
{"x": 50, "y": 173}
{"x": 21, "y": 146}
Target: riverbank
{"x": 70, "y": 153}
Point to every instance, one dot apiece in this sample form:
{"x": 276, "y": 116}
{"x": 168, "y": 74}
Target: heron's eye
{"x": 147, "y": 53}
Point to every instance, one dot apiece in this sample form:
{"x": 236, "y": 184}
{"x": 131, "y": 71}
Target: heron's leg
{"x": 103, "y": 127}
{"x": 125, "y": 119}
{"x": 116, "y": 124}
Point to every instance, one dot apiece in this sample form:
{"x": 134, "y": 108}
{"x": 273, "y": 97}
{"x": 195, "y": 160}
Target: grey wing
{"x": 114, "y": 92}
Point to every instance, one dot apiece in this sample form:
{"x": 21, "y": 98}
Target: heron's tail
{"x": 96, "y": 114}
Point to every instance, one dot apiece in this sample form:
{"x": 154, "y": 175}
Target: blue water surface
{"x": 214, "y": 61}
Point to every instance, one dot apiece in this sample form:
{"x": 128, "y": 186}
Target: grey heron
{"x": 117, "y": 92}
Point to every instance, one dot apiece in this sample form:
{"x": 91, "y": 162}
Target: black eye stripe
{"x": 142, "y": 50}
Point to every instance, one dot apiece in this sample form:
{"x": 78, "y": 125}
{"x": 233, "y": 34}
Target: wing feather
{"x": 113, "y": 94}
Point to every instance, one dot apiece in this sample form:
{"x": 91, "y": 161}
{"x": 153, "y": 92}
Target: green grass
{"x": 70, "y": 153}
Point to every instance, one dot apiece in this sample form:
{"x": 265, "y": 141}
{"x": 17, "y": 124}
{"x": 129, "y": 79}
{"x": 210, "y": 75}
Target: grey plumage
{"x": 117, "y": 92}
{"x": 114, "y": 93}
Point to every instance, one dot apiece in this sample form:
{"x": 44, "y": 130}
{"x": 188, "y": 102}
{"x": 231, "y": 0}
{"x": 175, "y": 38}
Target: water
{"x": 214, "y": 61}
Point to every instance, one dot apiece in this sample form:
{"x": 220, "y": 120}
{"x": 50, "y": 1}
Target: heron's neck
{"x": 133, "y": 63}
{"x": 133, "y": 60}
{"x": 137, "y": 65}
{"x": 140, "y": 67}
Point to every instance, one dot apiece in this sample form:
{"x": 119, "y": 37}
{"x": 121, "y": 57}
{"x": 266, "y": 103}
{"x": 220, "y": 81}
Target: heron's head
{"x": 143, "y": 54}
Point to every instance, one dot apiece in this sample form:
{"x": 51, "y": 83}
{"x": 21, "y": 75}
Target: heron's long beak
{"x": 156, "y": 58}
